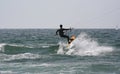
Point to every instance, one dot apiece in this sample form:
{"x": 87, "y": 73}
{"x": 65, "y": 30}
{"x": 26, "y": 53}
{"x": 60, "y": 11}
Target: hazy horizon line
{"x": 57, "y": 28}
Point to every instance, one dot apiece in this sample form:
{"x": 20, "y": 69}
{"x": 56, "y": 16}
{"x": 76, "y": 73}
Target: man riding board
{"x": 61, "y": 32}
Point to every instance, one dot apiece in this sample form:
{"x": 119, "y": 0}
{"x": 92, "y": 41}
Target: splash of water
{"x": 2, "y": 47}
{"x": 83, "y": 45}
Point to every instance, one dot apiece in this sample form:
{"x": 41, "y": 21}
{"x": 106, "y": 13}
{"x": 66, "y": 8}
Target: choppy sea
{"x": 40, "y": 51}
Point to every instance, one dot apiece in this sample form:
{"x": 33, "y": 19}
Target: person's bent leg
{"x": 65, "y": 36}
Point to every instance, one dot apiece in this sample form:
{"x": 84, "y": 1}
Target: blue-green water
{"x": 38, "y": 51}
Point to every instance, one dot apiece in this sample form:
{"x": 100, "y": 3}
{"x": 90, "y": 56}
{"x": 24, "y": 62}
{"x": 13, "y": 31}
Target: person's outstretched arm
{"x": 67, "y": 29}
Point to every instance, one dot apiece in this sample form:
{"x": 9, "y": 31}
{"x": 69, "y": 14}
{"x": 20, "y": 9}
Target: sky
{"x": 52, "y": 13}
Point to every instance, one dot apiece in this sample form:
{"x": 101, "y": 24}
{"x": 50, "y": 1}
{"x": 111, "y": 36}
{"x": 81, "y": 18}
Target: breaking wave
{"x": 19, "y": 48}
{"x": 21, "y": 56}
{"x": 14, "y": 52}
{"x": 2, "y": 47}
{"x": 83, "y": 45}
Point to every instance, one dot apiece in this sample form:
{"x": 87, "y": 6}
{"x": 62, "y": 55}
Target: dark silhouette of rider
{"x": 61, "y": 32}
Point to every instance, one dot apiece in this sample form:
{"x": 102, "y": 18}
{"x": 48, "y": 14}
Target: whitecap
{"x": 7, "y": 72}
{"x": 2, "y": 47}
{"x": 21, "y": 56}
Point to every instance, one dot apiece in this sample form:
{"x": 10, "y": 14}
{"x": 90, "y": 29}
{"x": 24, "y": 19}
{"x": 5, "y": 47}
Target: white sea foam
{"x": 21, "y": 56}
{"x": 83, "y": 45}
{"x": 2, "y": 47}
{"x": 45, "y": 45}
{"x": 7, "y": 72}
{"x": 20, "y": 45}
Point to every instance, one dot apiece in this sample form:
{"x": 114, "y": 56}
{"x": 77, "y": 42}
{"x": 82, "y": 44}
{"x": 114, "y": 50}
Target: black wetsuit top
{"x": 61, "y": 33}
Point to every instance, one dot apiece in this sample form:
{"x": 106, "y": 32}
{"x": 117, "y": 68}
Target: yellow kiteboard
{"x": 72, "y": 38}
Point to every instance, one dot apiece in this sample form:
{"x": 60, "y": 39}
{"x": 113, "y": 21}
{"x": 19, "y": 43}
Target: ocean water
{"x": 39, "y": 51}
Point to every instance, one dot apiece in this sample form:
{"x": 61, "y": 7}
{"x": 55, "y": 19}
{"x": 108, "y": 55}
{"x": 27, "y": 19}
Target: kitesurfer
{"x": 62, "y": 33}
